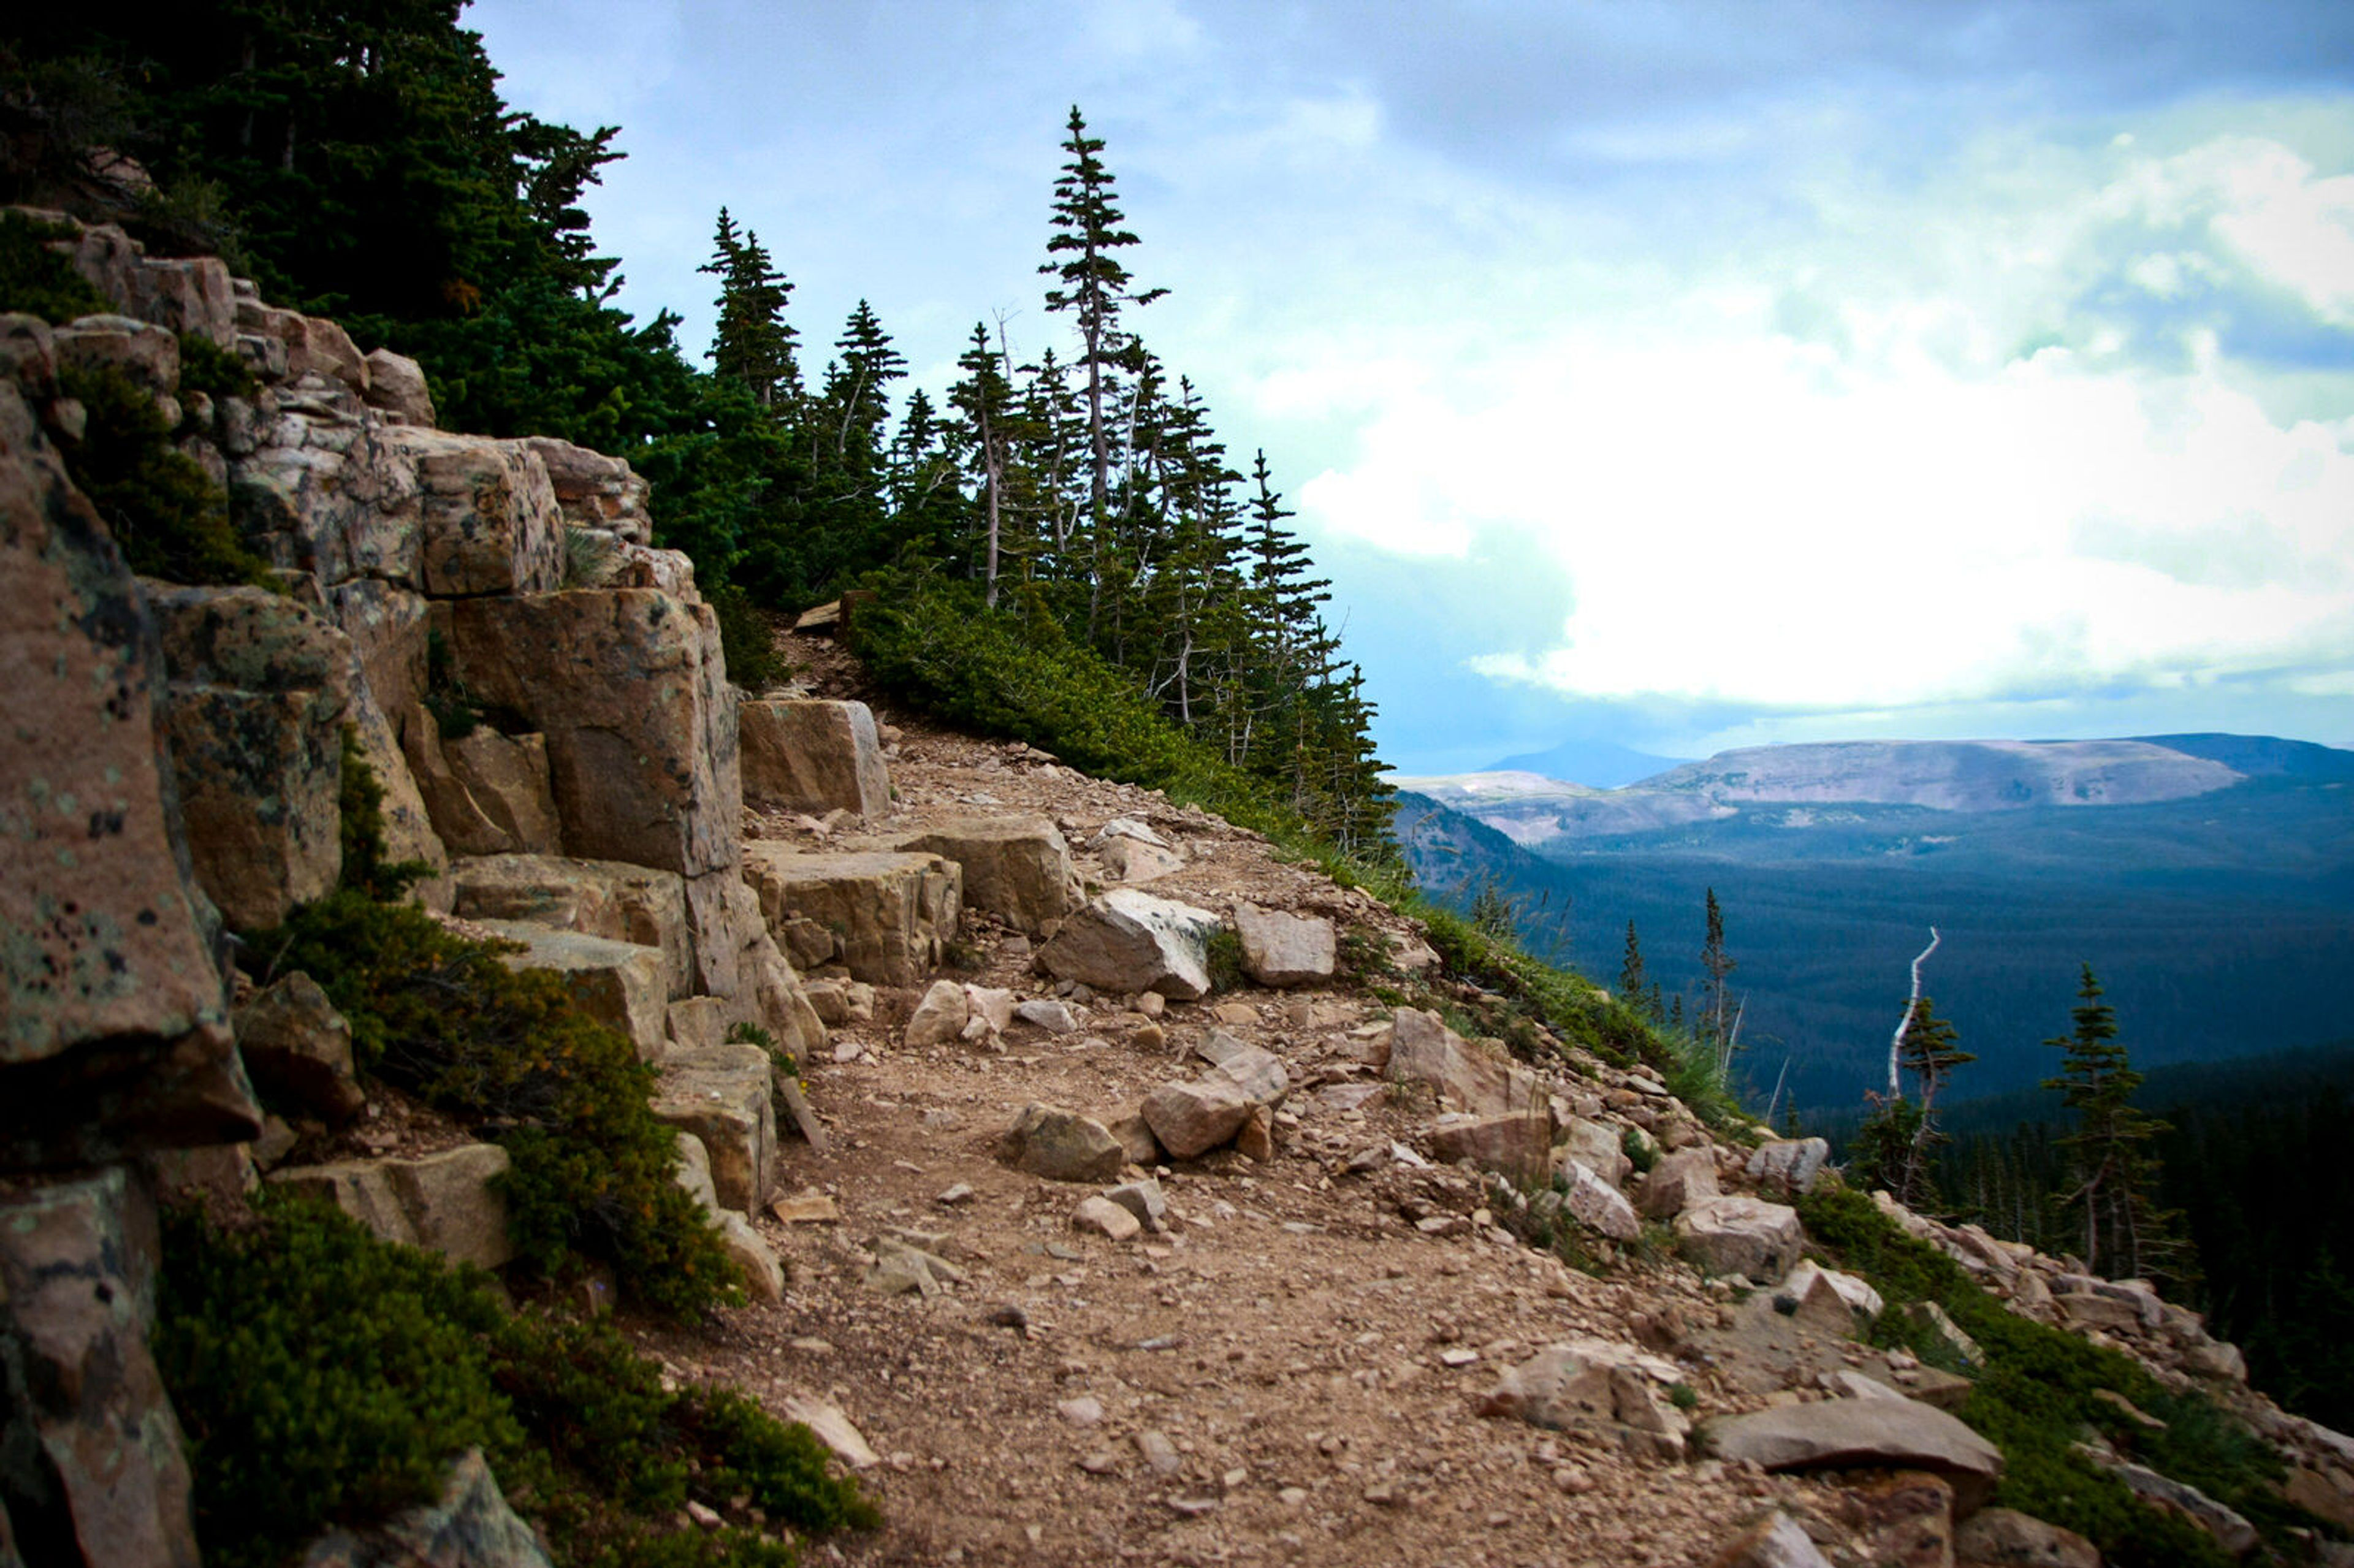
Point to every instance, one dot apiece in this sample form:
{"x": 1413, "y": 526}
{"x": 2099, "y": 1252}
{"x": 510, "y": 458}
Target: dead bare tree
{"x": 1912, "y": 1005}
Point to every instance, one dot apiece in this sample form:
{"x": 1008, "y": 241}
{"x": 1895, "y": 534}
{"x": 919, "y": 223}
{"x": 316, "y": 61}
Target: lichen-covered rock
{"x": 813, "y": 755}
{"x": 259, "y": 688}
{"x": 1126, "y": 941}
{"x": 487, "y": 517}
{"x": 883, "y": 916}
{"x": 722, "y": 1094}
{"x": 76, "y": 1298}
{"x": 190, "y": 295}
{"x": 447, "y": 1201}
{"x": 469, "y": 1525}
{"x": 1063, "y": 1146}
{"x": 299, "y": 1050}
{"x": 113, "y": 1019}
{"x": 1017, "y": 868}
{"x": 486, "y": 793}
{"x": 148, "y": 355}
{"x": 595, "y": 490}
{"x": 396, "y": 388}
{"x": 315, "y": 345}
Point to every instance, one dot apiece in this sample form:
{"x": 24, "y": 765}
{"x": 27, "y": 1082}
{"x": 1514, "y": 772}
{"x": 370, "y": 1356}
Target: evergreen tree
{"x": 752, "y": 344}
{"x": 1632, "y": 990}
{"x": 1716, "y": 965}
{"x": 987, "y": 421}
{"x": 1091, "y": 282}
{"x": 2112, "y": 1172}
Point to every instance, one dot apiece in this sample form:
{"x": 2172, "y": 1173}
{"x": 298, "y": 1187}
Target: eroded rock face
{"x": 612, "y": 899}
{"x": 1128, "y": 941}
{"x": 813, "y": 755}
{"x": 593, "y": 490}
{"x": 882, "y": 915}
{"x": 80, "y": 1390}
{"x": 1515, "y": 1143}
{"x": 260, "y": 686}
{"x": 1017, "y": 868}
{"x": 114, "y": 1019}
{"x": 444, "y": 1202}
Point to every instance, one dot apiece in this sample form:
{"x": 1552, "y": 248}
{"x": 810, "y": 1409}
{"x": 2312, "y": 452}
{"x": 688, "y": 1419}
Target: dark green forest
{"x": 357, "y": 161}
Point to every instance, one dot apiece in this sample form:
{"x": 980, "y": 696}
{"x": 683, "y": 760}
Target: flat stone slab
{"x": 1863, "y": 1434}
{"x": 613, "y": 899}
{"x": 624, "y": 987}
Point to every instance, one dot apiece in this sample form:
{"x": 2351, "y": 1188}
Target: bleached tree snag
{"x": 1912, "y": 1005}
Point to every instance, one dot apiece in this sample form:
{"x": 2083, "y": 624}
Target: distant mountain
{"x": 1596, "y": 764}
{"x": 2209, "y": 879}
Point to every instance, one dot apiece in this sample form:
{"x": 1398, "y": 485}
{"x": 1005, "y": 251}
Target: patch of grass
{"x": 37, "y": 279}
{"x": 324, "y": 1377}
{"x": 2035, "y": 1398}
{"x": 170, "y": 519}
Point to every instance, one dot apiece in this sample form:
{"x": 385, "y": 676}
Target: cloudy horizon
{"x": 1674, "y": 375}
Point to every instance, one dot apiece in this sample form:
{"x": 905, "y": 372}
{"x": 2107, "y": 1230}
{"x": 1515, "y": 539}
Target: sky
{"x": 1675, "y": 374}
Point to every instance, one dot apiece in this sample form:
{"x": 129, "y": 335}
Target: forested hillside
{"x": 359, "y": 162}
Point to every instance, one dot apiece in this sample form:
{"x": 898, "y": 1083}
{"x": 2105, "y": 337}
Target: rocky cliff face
{"x": 1118, "y": 1176}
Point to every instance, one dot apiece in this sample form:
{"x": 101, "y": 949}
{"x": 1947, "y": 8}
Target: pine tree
{"x": 1930, "y": 1053}
{"x": 752, "y": 344}
{"x": 1093, "y": 285}
{"x": 2111, "y": 1169}
{"x": 985, "y": 409}
{"x": 1717, "y": 965}
{"x": 1632, "y": 991}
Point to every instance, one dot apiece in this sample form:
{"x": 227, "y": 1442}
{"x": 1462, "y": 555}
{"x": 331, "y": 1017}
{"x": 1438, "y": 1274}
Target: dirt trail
{"x": 1289, "y": 1373}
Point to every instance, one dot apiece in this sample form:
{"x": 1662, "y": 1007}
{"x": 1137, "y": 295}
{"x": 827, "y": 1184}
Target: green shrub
{"x": 746, "y": 642}
{"x": 170, "y": 519}
{"x": 1640, "y": 1152}
{"x": 1224, "y": 953}
{"x": 324, "y": 1377}
{"x": 507, "y": 1052}
{"x": 2036, "y": 1396}
{"x": 37, "y": 279}
{"x": 216, "y": 371}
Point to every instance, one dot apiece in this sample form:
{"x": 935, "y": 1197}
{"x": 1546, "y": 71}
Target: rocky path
{"x": 1290, "y": 1370}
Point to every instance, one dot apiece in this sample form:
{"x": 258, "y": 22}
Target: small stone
{"x": 1256, "y": 1142}
{"x": 959, "y": 1194}
{"x": 1102, "y": 1462}
{"x": 1192, "y": 1507}
{"x": 1457, "y": 1358}
{"x": 1292, "y": 1497}
{"x": 1085, "y": 1411}
{"x": 1143, "y": 1198}
{"x": 1054, "y": 1017}
{"x": 703, "y": 1514}
{"x": 1572, "y": 1480}
{"x": 1160, "y": 1454}
{"x": 806, "y": 1209}
{"x": 1107, "y": 1218}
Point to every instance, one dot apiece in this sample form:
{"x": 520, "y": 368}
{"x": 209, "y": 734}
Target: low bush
{"x": 216, "y": 371}
{"x": 326, "y": 1377}
{"x": 169, "y": 518}
{"x": 37, "y": 279}
{"x": 2035, "y": 1398}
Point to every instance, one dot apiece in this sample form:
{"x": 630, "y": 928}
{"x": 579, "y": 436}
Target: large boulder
{"x": 1863, "y": 1434}
{"x": 622, "y": 986}
{"x": 260, "y": 686}
{"x": 1740, "y": 1235}
{"x": 1679, "y": 1182}
{"x": 724, "y": 1095}
{"x": 396, "y": 388}
{"x": 612, "y": 899}
{"x": 1191, "y": 1119}
{"x": 813, "y": 755}
{"x": 1592, "y": 1385}
{"x": 882, "y": 915}
{"x": 1516, "y": 1142}
{"x": 1126, "y": 941}
{"x": 447, "y": 1201}
{"x": 629, "y": 687}
{"x": 1280, "y": 949}
{"x": 190, "y": 295}
{"x": 1595, "y": 1203}
{"x": 1471, "y": 1079}
{"x": 319, "y": 486}
{"x": 1017, "y": 868}
{"x": 488, "y": 516}
{"x": 86, "y": 1410}
{"x": 299, "y": 1050}
{"x": 1063, "y": 1146}
{"x": 1788, "y": 1164}
{"x": 113, "y": 1019}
